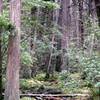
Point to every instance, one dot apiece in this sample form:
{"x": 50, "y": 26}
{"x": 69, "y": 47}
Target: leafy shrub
{"x": 96, "y": 89}
{"x": 29, "y": 83}
{"x": 26, "y": 59}
{"x": 40, "y": 77}
{"x": 88, "y": 65}
{"x": 95, "y": 92}
{"x": 67, "y": 83}
{"x": 91, "y": 67}
{"x": 4, "y": 23}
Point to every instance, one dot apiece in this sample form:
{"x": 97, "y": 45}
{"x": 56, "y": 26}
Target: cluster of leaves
{"x": 91, "y": 67}
{"x": 26, "y": 59}
{"x": 73, "y": 55}
{"x": 5, "y": 24}
{"x": 29, "y": 22}
{"x": 68, "y": 83}
{"x": 40, "y": 3}
{"x": 26, "y": 84}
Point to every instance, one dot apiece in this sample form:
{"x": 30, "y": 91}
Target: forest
{"x": 49, "y": 49}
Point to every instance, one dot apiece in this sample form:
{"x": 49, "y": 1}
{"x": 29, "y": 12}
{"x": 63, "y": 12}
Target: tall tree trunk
{"x": 35, "y": 12}
{"x": 97, "y": 4}
{"x": 13, "y": 65}
{"x": 65, "y": 30}
{"x": 81, "y": 26}
{"x": 1, "y": 3}
{"x": 75, "y": 22}
{"x": 58, "y": 20}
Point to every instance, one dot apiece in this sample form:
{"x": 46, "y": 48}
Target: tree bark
{"x": 81, "y": 26}
{"x": 97, "y": 4}
{"x": 58, "y": 21}
{"x": 1, "y": 98}
{"x": 66, "y": 31}
{"x": 13, "y": 65}
{"x": 50, "y": 59}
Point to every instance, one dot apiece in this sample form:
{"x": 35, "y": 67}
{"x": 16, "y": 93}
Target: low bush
{"x": 67, "y": 83}
{"x": 27, "y": 84}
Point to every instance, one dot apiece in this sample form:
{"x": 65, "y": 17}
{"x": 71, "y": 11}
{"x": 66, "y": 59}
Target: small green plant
{"x": 67, "y": 83}
{"x": 95, "y": 91}
{"x": 26, "y": 84}
{"x": 5, "y": 24}
{"x": 40, "y": 77}
{"x": 91, "y": 67}
{"x": 26, "y": 59}
{"x": 97, "y": 86}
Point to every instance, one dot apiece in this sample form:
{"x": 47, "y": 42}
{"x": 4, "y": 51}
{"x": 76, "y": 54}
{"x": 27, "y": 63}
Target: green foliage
{"x": 40, "y": 3}
{"x": 50, "y": 5}
{"x": 73, "y": 54}
{"x": 67, "y": 83}
{"x": 88, "y": 65}
{"x": 95, "y": 91}
{"x": 91, "y": 67}
{"x": 3, "y": 82}
{"x": 5, "y": 24}
{"x": 26, "y": 59}
{"x": 27, "y": 98}
{"x": 42, "y": 46}
{"x": 92, "y": 28}
{"x": 64, "y": 75}
{"x": 97, "y": 84}
{"x": 27, "y": 84}
{"x": 40, "y": 77}
{"x": 4, "y": 43}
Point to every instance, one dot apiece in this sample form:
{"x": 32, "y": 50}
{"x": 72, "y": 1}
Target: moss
{"x": 26, "y": 98}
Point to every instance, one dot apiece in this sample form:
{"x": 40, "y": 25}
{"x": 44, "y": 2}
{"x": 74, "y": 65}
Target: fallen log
{"x": 53, "y": 95}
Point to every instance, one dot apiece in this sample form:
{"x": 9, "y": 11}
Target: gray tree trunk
{"x": 13, "y": 65}
{"x": 65, "y": 31}
{"x": 1, "y": 4}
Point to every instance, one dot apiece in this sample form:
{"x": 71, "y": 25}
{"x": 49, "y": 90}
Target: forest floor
{"x": 58, "y": 87}
{"x": 55, "y": 89}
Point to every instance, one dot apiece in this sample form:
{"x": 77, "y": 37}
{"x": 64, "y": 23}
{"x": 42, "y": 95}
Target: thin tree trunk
{"x": 50, "y": 59}
{"x": 36, "y": 14}
{"x": 81, "y": 26}
{"x": 13, "y": 65}
{"x": 97, "y": 5}
{"x": 58, "y": 20}
{"x": 94, "y": 25}
{"x": 1, "y": 3}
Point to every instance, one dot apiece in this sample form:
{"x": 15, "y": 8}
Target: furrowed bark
{"x": 13, "y": 65}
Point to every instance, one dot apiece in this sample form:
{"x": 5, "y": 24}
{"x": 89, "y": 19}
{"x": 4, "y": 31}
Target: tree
{"x": 13, "y": 65}
{"x": 81, "y": 26}
{"x": 97, "y": 4}
{"x": 1, "y": 3}
{"x": 65, "y": 30}
{"x": 58, "y": 20}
